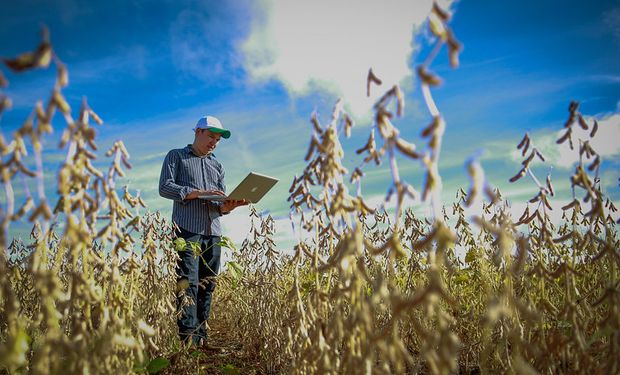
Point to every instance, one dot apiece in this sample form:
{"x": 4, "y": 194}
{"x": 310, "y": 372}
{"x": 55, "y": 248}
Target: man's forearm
{"x": 173, "y": 191}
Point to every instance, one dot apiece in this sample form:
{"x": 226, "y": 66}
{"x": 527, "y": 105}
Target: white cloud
{"x": 330, "y": 45}
{"x": 237, "y": 226}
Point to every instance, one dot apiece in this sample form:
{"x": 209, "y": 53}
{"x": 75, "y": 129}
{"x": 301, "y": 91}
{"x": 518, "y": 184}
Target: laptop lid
{"x": 253, "y": 187}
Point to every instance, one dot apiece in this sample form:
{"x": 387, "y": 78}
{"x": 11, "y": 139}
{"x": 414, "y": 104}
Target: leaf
{"x": 437, "y": 26}
{"x": 3, "y": 81}
{"x": 196, "y": 249}
{"x": 39, "y": 58}
{"x": 60, "y": 101}
{"x": 594, "y": 129}
{"x": 462, "y": 277}
{"x": 371, "y": 78}
{"x": 235, "y": 269}
{"x": 157, "y": 364}
{"x": 230, "y": 369}
{"x": 524, "y": 140}
{"x": 471, "y": 256}
{"x": 5, "y": 102}
{"x": 62, "y": 75}
{"x": 29, "y": 60}
{"x": 428, "y": 77}
{"x": 227, "y": 243}
{"x": 196, "y": 354}
{"x": 179, "y": 244}
{"x": 139, "y": 367}
{"x": 519, "y": 175}
{"x": 182, "y": 285}
{"x": 582, "y": 122}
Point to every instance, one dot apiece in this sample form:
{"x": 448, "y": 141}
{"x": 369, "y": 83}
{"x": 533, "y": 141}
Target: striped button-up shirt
{"x": 183, "y": 172}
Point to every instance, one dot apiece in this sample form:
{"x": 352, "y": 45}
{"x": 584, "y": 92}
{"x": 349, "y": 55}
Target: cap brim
{"x": 225, "y": 133}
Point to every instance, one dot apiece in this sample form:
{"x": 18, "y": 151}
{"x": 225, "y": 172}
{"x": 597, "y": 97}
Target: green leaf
{"x": 236, "y": 270}
{"x": 196, "y": 354}
{"x": 471, "y": 256}
{"x": 227, "y": 243}
{"x": 157, "y": 364}
{"x": 139, "y": 367}
{"x": 195, "y": 248}
{"x": 179, "y": 244}
{"x": 230, "y": 369}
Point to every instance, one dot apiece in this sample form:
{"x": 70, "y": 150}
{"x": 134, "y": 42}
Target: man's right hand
{"x": 197, "y": 193}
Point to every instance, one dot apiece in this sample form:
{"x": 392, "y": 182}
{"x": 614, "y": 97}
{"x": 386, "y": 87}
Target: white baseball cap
{"x": 213, "y": 124}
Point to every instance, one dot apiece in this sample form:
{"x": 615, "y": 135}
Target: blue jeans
{"x": 200, "y": 272}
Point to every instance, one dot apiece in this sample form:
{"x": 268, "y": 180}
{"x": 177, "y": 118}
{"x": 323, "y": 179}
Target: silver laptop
{"x": 253, "y": 187}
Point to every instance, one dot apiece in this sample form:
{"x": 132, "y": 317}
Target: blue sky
{"x": 150, "y": 69}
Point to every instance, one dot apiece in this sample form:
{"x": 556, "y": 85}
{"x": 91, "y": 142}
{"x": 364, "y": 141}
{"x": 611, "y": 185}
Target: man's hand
{"x": 231, "y": 204}
{"x": 197, "y": 193}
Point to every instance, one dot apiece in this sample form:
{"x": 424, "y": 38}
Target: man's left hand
{"x": 231, "y": 204}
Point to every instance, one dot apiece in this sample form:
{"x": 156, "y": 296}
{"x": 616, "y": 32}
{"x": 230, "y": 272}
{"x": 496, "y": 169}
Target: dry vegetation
{"x": 367, "y": 293}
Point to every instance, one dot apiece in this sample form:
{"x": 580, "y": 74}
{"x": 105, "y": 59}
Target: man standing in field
{"x": 186, "y": 174}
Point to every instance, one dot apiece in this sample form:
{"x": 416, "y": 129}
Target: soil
{"x": 222, "y": 355}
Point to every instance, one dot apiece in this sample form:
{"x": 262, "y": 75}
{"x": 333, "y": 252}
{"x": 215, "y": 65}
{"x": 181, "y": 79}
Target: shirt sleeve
{"x": 168, "y": 188}
{"x": 220, "y": 182}
{"x": 222, "y": 186}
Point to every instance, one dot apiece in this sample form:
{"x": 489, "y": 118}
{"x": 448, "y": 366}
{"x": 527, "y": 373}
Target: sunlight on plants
{"x": 93, "y": 289}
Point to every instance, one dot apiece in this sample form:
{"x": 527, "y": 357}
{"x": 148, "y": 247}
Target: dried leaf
{"x": 5, "y": 103}
{"x": 60, "y": 102}
{"x": 519, "y": 175}
{"x": 595, "y": 163}
{"x": 594, "y": 129}
{"x": 582, "y": 122}
{"x": 407, "y": 148}
{"x": 62, "y": 74}
{"x": 564, "y": 137}
{"x": 428, "y": 78}
{"x": 431, "y": 127}
{"x": 525, "y": 139}
{"x": 40, "y": 58}
{"x": 549, "y": 185}
{"x": 3, "y": 81}
{"x": 371, "y": 78}
{"x": 454, "y": 48}
{"x": 437, "y": 26}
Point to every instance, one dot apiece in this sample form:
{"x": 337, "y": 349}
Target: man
{"x": 187, "y": 174}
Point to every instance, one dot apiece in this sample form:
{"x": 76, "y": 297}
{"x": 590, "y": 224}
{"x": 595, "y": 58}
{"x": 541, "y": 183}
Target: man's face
{"x": 208, "y": 138}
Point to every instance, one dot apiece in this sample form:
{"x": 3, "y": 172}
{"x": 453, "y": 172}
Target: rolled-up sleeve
{"x": 168, "y": 188}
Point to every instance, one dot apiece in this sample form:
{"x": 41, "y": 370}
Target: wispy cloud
{"x": 132, "y": 60}
{"x": 605, "y": 78}
{"x": 611, "y": 19}
{"x": 85, "y": 77}
{"x": 326, "y": 45}
{"x": 203, "y": 39}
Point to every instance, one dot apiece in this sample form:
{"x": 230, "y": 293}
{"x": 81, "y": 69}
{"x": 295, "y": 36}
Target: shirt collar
{"x": 190, "y": 151}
